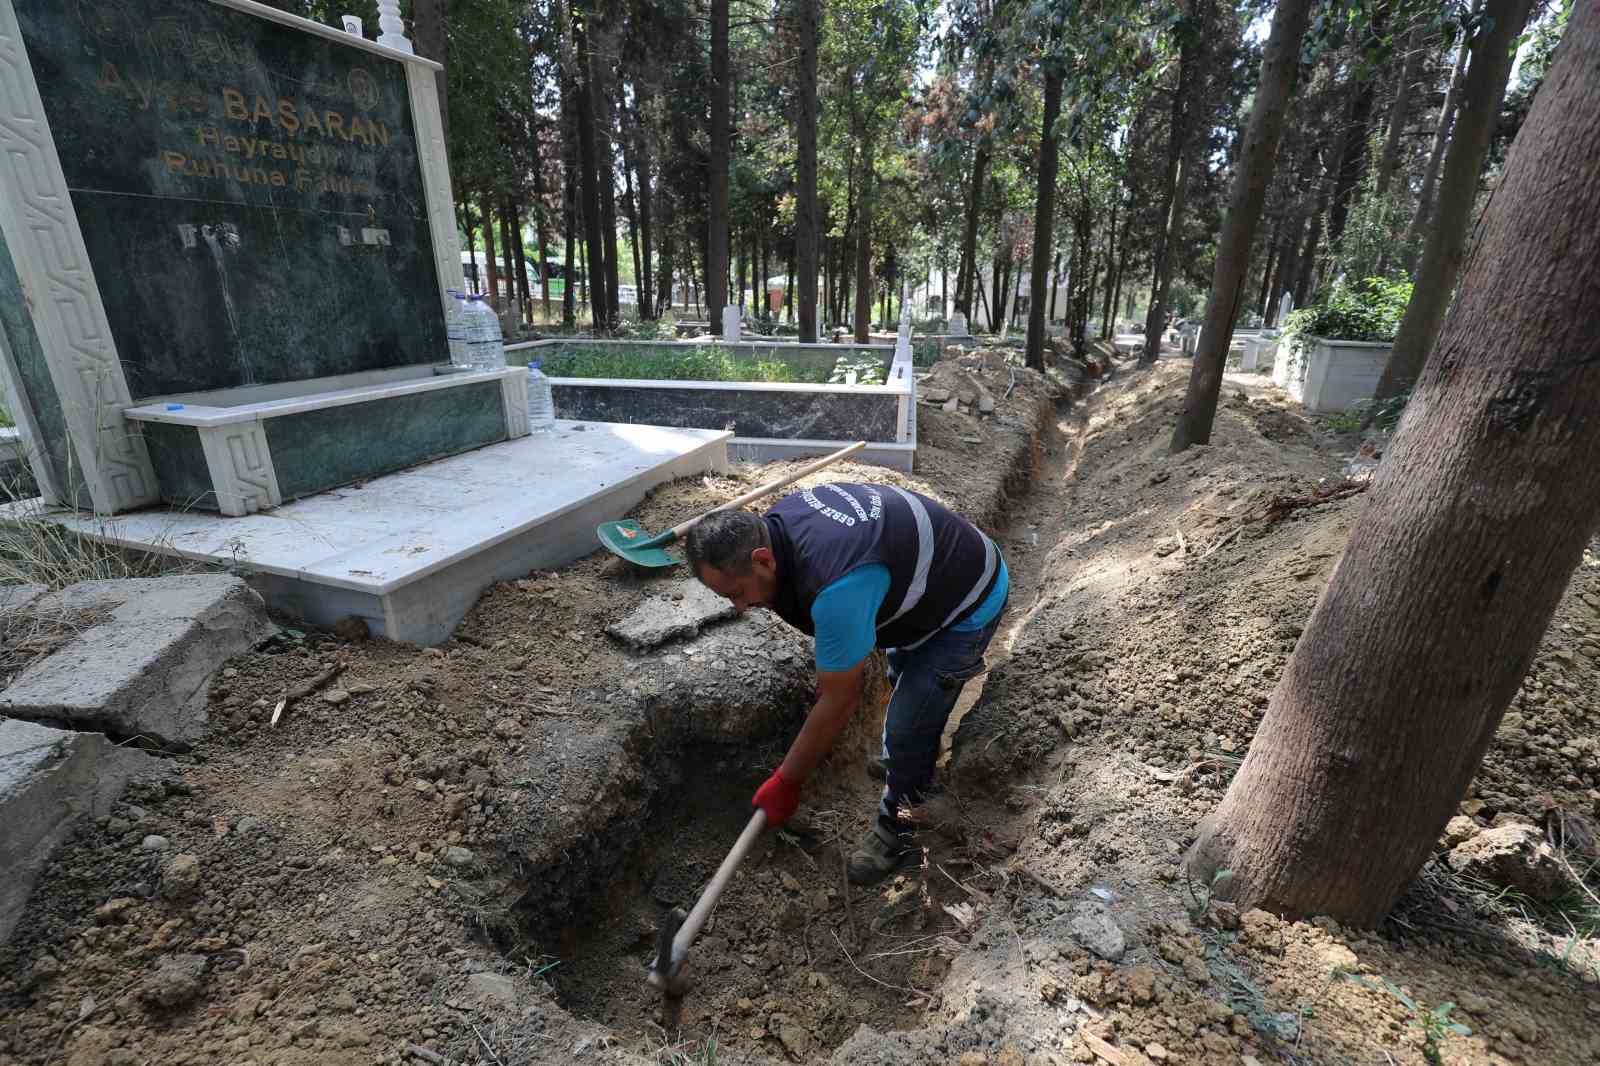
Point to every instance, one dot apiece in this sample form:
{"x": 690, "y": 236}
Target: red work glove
{"x": 778, "y": 797}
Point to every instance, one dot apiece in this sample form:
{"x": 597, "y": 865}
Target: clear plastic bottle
{"x": 487, "y": 350}
{"x": 541, "y": 403}
{"x": 455, "y": 328}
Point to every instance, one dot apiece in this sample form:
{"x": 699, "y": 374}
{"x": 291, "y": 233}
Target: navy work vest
{"x": 940, "y": 565}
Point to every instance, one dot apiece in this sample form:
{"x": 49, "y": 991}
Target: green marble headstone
{"x": 250, "y": 194}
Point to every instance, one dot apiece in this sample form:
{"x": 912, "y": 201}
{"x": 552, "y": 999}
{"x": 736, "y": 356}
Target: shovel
{"x": 678, "y": 930}
{"x": 634, "y": 543}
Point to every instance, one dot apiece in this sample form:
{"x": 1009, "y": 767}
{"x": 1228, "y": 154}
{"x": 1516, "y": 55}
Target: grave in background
{"x": 227, "y": 235}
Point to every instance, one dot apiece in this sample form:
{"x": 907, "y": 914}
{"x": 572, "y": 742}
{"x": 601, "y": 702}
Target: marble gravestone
{"x": 215, "y": 203}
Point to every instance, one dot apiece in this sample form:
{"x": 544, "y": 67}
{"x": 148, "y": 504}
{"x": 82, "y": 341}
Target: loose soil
{"x": 354, "y": 896}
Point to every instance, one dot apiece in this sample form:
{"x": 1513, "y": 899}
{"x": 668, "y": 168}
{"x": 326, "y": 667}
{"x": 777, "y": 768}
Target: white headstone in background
{"x": 958, "y": 324}
{"x": 391, "y": 27}
{"x": 1285, "y": 305}
{"x": 730, "y": 324}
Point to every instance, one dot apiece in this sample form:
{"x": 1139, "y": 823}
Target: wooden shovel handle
{"x": 708, "y": 899}
{"x": 770, "y": 487}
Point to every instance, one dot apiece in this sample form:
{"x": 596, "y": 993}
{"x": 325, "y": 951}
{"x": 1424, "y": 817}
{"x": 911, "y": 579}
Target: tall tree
{"x": 717, "y": 221}
{"x": 1279, "y": 65}
{"x": 807, "y": 217}
{"x": 1190, "y": 36}
{"x": 1441, "y": 137}
{"x": 1471, "y": 530}
{"x": 1044, "y": 207}
{"x": 1492, "y": 48}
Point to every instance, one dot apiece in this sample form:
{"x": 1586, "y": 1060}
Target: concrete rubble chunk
{"x": 144, "y": 669}
{"x": 491, "y": 990}
{"x": 681, "y": 610}
{"x": 48, "y": 778}
{"x": 1094, "y": 928}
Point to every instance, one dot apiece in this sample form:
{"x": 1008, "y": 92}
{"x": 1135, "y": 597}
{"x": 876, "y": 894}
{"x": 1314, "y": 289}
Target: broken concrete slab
{"x": 144, "y": 670}
{"x": 681, "y": 610}
{"x": 48, "y": 777}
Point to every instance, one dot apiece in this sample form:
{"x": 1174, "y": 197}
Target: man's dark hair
{"x": 724, "y": 541}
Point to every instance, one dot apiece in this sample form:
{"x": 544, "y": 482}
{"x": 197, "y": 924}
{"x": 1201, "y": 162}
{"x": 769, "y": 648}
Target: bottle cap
{"x": 174, "y": 406}
{"x": 535, "y": 364}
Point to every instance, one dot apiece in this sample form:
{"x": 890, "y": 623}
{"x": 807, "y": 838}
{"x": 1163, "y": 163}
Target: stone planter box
{"x": 1260, "y": 351}
{"x": 769, "y": 420}
{"x": 1333, "y": 375}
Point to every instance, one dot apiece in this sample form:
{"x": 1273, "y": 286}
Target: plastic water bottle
{"x": 486, "y": 347}
{"x": 455, "y": 328}
{"x": 541, "y": 404}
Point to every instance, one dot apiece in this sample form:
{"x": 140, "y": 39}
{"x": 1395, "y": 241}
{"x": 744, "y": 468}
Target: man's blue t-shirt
{"x": 845, "y": 614}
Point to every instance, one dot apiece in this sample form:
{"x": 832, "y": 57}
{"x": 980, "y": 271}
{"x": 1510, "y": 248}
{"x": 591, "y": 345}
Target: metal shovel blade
{"x": 636, "y": 544}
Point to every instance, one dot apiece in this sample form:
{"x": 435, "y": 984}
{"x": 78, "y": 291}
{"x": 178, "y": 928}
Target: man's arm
{"x": 844, "y": 616}
{"x": 838, "y": 698}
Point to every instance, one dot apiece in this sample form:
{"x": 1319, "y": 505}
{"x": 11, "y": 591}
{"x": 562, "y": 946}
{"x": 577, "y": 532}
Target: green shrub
{"x": 1368, "y": 310}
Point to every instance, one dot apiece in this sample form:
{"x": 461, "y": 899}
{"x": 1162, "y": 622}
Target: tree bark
{"x": 1400, "y": 110}
{"x": 807, "y": 218}
{"x": 1468, "y": 538}
{"x": 1111, "y": 272}
{"x": 717, "y": 180}
{"x": 569, "y": 226}
{"x": 520, "y": 254}
{"x": 1172, "y": 188}
{"x": 606, "y": 175}
{"x": 1430, "y": 175}
{"x": 1483, "y": 91}
{"x": 1257, "y": 155}
{"x": 491, "y": 268}
{"x": 642, "y": 177}
{"x": 588, "y": 180}
{"x": 1044, "y": 215}
{"x": 1308, "y": 254}
{"x": 967, "y": 273}
{"x": 864, "y": 247}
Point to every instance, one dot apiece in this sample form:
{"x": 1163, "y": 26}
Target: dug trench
{"x": 478, "y": 831}
{"x": 460, "y": 854}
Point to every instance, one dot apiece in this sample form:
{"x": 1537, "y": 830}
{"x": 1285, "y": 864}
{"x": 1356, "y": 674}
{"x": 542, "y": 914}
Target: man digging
{"x": 858, "y": 567}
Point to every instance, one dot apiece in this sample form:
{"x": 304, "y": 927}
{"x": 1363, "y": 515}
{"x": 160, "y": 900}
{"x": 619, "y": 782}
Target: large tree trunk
{"x": 1173, "y": 184}
{"x": 1111, "y": 272}
{"x": 606, "y": 174}
{"x": 648, "y": 307}
{"x": 967, "y": 273}
{"x": 1308, "y": 254}
{"x": 589, "y": 182}
{"x": 1447, "y": 237}
{"x": 1468, "y": 538}
{"x": 1257, "y": 156}
{"x": 569, "y": 227}
{"x": 491, "y": 267}
{"x": 429, "y": 21}
{"x": 1430, "y": 175}
{"x": 864, "y": 247}
{"x": 717, "y": 180}
{"x": 1044, "y": 216}
{"x": 807, "y": 219}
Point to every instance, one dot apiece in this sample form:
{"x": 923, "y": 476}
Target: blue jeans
{"x": 927, "y": 682}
